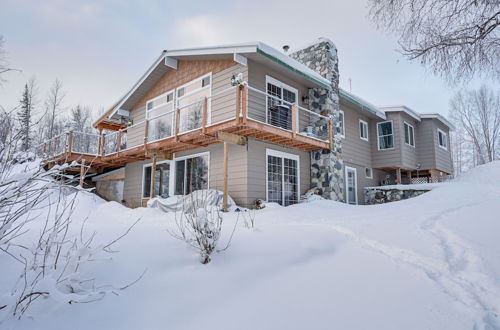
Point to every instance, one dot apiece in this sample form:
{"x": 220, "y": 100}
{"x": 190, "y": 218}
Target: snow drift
{"x": 429, "y": 262}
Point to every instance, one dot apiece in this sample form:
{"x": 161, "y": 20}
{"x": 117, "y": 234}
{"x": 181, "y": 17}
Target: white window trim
{"x": 282, "y": 85}
{"x": 150, "y": 165}
{"x": 371, "y": 172}
{"x": 209, "y": 97}
{"x": 393, "y": 136}
{"x": 445, "y": 139}
{"x": 174, "y": 169}
{"x": 342, "y": 135}
{"x": 413, "y": 131}
{"x": 171, "y": 183}
{"x": 160, "y": 96}
{"x": 355, "y": 184}
{"x": 281, "y": 154}
{"x": 367, "y": 134}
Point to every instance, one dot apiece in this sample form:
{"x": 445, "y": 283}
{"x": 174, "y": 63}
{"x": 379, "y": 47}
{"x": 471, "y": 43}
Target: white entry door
{"x": 351, "y": 185}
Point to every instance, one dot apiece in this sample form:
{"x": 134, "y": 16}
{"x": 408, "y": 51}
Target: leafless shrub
{"x": 200, "y": 225}
{"x": 248, "y": 217}
{"x": 38, "y": 231}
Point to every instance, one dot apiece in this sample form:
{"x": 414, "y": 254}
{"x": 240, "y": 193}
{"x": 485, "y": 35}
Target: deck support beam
{"x": 153, "y": 171}
{"x": 398, "y": 175}
{"x": 82, "y": 173}
{"x": 225, "y": 192}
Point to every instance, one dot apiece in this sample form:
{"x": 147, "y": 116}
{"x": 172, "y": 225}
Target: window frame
{"x": 365, "y": 124}
{"x": 280, "y": 84}
{"x": 445, "y": 139}
{"x": 349, "y": 168}
{"x": 405, "y": 125}
{"x": 371, "y": 173}
{"x": 174, "y": 168}
{"x": 393, "y": 137}
{"x": 342, "y": 134}
{"x": 282, "y": 155}
{"x": 151, "y": 165}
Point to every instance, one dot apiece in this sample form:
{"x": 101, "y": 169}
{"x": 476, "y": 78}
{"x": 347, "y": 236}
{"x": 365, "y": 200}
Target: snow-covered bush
{"x": 199, "y": 224}
{"x": 47, "y": 246}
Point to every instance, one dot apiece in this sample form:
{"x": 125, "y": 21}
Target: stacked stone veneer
{"x": 380, "y": 195}
{"x": 326, "y": 165}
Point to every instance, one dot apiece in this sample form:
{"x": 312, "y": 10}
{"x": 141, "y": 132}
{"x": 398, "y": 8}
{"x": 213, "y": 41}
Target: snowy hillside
{"x": 431, "y": 262}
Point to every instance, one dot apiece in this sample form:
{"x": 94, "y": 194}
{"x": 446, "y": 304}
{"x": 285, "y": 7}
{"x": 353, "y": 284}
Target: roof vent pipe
{"x": 286, "y": 48}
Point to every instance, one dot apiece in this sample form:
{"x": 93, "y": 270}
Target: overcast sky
{"x": 98, "y": 49}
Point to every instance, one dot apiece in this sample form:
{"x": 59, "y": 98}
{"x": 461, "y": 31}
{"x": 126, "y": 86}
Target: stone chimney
{"x": 326, "y": 165}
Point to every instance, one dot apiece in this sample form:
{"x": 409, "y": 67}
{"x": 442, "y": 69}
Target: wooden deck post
{"x": 70, "y": 142}
{"x": 294, "y": 120}
{"x": 146, "y": 135}
{"x": 204, "y": 116}
{"x": 398, "y": 176}
{"x": 177, "y": 119}
{"x": 44, "y": 148}
{"x": 82, "y": 172}
{"x": 330, "y": 132}
{"x": 244, "y": 104}
{"x": 225, "y": 193}
{"x": 99, "y": 142}
{"x": 238, "y": 104}
{"x": 153, "y": 171}
{"x": 408, "y": 174}
{"x": 119, "y": 142}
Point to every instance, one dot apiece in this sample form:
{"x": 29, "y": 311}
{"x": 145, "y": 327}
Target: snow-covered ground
{"x": 431, "y": 262}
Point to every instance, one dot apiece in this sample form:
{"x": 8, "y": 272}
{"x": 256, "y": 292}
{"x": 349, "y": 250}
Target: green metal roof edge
{"x": 277, "y": 60}
{"x": 357, "y": 102}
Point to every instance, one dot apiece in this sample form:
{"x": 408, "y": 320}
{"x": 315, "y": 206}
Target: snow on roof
{"x": 402, "y": 108}
{"x": 439, "y": 117}
{"x": 362, "y": 103}
{"x": 312, "y": 43}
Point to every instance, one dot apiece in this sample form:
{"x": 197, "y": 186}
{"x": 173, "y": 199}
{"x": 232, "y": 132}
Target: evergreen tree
{"x": 24, "y": 117}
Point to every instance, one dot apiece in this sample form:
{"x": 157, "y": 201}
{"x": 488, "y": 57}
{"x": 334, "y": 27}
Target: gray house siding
{"x": 354, "y": 149}
{"x": 387, "y": 157}
{"x": 426, "y": 144}
{"x": 443, "y": 157}
{"x": 409, "y": 153}
{"x": 223, "y": 106}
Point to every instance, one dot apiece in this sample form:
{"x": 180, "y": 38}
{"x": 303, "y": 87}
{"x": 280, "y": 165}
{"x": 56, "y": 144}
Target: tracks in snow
{"x": 459, "y": 274}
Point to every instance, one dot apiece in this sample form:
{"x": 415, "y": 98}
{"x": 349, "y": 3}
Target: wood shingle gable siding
{"x": 185, "y": 72}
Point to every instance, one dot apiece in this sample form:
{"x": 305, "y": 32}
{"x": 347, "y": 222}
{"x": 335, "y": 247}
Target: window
{"x": 363, "y": 130}
{"x": 409, "y": 134}
{"x": 161, "y": 180}
{"x": 160, "y": 113}
{"x": 279, "y": 101}
{"x": 442, "y": 139}
{"x": 385, "y": 135}
{"x": 190, "y": 100}
{"x": 368, "y": 173}
{"x": 191, "y": 173}
{"x": 341, "y": 129}
{"x": 282, "y": 177}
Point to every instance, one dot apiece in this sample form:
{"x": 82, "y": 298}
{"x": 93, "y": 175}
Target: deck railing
{"x": 249, "y": 103}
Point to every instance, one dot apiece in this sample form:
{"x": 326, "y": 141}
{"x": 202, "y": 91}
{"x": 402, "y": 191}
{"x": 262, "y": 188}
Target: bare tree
{"x": 477, "y": 114}
{"x": 455, "y": 39}
{"x": 4, "y": 65}
{"x": 53, "y": 107}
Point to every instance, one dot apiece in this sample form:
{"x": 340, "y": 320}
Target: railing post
{"x": 99, "y": 142}
{"x": 330, "y": 132}
{"x": 119, "y": 141}
{"x": 244, "y": 105}
{"x": 153, "y": 173}
{"x": 238, "y": 104}
{"x": 103, "y": 143}
{"x": 146, "y": 134}
{"x": 177, "y": 120}
{"x": 294, "y": 120}
{"x": 44, "y": 148}
{"x": 204, "y": 116}
{"x": 70, "y": 142}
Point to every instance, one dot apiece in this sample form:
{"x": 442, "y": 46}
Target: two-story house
{"x": 256, "y": 123}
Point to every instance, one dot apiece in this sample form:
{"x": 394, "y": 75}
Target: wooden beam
{"x": 177, "y": 119}
{"x": 231, "y": 138}
{"x": 244, "y": 104}
{"x": 146, "y": 135}
{"x": 153, "y": 171}
{"x": 225, "y": 193}
{"x": 70, "y": 143}
{"x": 294, "y": 120}
{"x": 159, "y": 154}
{"x": 238, "y": 105}
{"x": 82, "y": 172}
{"x": 398, "y": 175}
{"x": 204, "y": 118}
{"x": 408, "y": 174}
